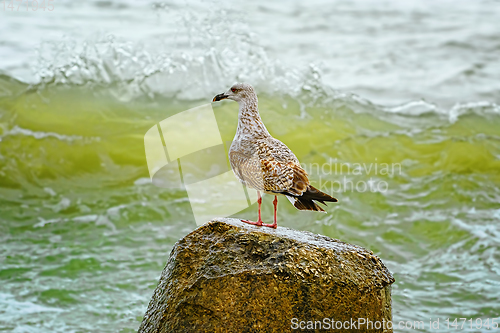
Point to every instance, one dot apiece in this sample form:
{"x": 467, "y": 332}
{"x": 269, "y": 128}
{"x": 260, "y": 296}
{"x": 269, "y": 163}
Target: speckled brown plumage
{"x": 264, "y": 163}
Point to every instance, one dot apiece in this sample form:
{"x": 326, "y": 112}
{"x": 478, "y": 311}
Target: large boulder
{"x": 229, "y": 276}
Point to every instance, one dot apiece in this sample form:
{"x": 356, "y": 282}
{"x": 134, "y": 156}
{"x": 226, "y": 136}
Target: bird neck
{"x": 250, "y": 124}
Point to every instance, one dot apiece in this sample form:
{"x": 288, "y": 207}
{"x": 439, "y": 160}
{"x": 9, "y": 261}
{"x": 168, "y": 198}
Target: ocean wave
{"x": 132, "y": 71}
{"x": 197, "y": 63}
{"x": 39, "y": 135}
{"x": 127, "y": 71}
{"x": 13, "y": 309}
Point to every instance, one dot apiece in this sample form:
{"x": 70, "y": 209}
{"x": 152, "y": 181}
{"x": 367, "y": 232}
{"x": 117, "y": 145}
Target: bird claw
{"x": 260, "y": 224}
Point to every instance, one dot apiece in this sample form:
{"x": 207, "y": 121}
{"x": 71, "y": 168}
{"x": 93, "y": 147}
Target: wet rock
{"x": 229, "y": 276}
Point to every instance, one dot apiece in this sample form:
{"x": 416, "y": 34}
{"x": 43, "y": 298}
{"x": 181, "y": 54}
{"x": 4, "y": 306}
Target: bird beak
{"x": 219, "y": 97}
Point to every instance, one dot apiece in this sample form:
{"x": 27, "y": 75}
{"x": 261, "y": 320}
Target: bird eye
{"x": 233, "y": 89}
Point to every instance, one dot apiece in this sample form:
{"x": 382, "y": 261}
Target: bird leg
{"x": 259, "y": 222}
{"x": 275, "y": 224}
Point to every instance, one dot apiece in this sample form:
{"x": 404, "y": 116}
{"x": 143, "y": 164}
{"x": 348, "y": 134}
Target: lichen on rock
{"x": 229, "y": 276}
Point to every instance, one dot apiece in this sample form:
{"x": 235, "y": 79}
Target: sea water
{"x": 389, "y": 105}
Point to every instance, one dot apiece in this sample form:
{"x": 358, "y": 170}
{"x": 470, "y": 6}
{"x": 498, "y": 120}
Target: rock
{"x": 231, "y": 276}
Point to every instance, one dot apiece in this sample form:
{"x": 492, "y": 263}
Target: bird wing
{"x": 281, "y": 169}
{"x": 270, "y": 166}
{"x": 288, "y": 179}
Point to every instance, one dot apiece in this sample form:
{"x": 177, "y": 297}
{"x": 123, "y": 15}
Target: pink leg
{"x": 275, "y": 224}
{"x": 259, "y": 222}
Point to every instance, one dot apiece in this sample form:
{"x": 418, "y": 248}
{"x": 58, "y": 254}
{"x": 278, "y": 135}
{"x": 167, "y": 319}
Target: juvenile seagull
{"x": 264, "y": 163}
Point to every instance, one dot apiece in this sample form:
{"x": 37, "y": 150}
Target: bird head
{"x": 238, "y": 92}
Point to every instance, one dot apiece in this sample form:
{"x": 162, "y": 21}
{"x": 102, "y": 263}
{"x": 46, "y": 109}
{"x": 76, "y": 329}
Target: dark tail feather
{"x": 302, "y": 204}
{"x": 305, "y": 202}
{"x": 313, "y": 193}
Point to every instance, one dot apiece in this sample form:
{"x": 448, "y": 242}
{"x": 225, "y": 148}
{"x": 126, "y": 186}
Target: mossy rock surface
{"x": 229, "y": 276}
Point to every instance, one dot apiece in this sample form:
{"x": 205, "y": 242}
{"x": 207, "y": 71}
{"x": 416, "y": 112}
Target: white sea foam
{"x": 39, "y": 135}
{"x": 15, "y": 309}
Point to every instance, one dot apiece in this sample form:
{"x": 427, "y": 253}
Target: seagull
{"x": 264, "y": 163}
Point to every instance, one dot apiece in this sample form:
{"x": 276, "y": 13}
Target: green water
{"x": 84, "y": 235}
